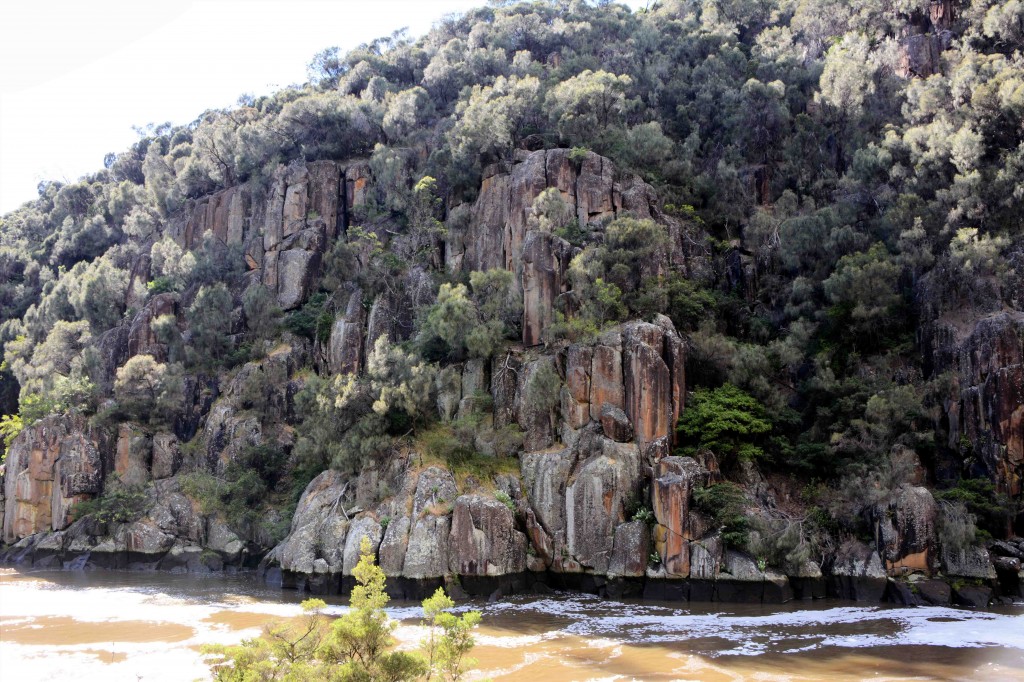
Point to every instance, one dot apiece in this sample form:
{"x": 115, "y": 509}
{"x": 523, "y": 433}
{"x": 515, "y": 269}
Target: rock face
{"x": 858, "y": 573}
{"x": 545, "y": 264}
{"x": 284, "y": 235}
{"x": 345, "y": 350}
{"x": 141, "y": 337}
{"x": 224, "y": 215}
{"x": 672, "y": 487}
{"x": 500, "y": 216}
{"x": 49, "y": 467}
{"x": 484, "y": 540}
{"x": 596, "y": 497}
{"x": 632, "y": 381}
{"x": 985, "y": 411}
{"x": 499, "y": 233}
{"x": 905, "y": 530}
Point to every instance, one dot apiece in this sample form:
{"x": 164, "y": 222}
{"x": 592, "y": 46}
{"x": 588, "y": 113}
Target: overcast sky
{"x": 76, "y": 76}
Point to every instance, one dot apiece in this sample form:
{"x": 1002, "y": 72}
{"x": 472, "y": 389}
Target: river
{"x": 116, "y": 626}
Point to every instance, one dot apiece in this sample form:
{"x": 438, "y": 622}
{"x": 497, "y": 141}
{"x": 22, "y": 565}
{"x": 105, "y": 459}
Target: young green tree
{"x": 361, "y": 639}
{"x": 209, "y": 320}
{"x": 449, "y": 638}
{"x": 726, "y": 421}
{"x": 147, "y": 389}
{"x": 357, "y": 647}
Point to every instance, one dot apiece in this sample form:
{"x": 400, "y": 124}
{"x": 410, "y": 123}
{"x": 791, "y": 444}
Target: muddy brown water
{"x": 148, "y": 626}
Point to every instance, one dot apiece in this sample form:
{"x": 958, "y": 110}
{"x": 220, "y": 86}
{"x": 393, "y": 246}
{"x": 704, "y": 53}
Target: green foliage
{"x": 253, "y": 482}
{"x": 463, "y": 324}
{"x": 349, "y": 420}
{"x": 502, "y": 496}
{"x": 726, "y": 421}
{"x": 10, "y": 426}
{"x": 449, "y": 638}
{"x": 313, "y": 320}
{"x": 160, "y": 285}
{"x": 646, "y": 515}
{"x": 624, "y": 275}
{"x": 725, "y": 504}
{"x": 119, "y": 503}
{"x": 262, "y": 314}
{"x": 357, "y": 646}
{"x": 456, "y": 445}
{"x": 991, "y": 509}
{"x": 209, "y": 319}
{"x": 149, "y": 390}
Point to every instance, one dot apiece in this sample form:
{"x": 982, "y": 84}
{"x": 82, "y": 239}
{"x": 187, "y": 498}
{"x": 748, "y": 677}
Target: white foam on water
{"x": 585, "y": 620}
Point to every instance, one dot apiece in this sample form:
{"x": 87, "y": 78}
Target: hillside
{"x": 715, "y": 300}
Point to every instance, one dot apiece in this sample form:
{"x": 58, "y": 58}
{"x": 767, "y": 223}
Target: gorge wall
{"x": 568, "y": 512}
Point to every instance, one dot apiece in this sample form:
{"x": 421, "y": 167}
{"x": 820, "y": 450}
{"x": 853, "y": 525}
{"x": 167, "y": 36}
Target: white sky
{"x": 75, "y": 76}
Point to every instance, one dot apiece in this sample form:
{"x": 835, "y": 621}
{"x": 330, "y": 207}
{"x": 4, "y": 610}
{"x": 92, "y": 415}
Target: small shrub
{"x": 727, "y": 421}
{"x": 119, "y": 503}
{"x": 724, "y": 503}
{"x": 502, "y": 496}
{"x": 646, "y": 515}
{"x": 160, "y": 285}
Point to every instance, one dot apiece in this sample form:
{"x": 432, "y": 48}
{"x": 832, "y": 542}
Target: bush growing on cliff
{"x": 726, "y": 421}
{"x": 471, "y": 322}
{"x": 119, "y": 503}
{"x": 209, "y": 319}
{"x": 149, "y": 390}
{"x": 726, "y": 505}
{"x": 10, "y": 426}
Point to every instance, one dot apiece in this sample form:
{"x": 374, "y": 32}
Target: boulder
{"x": 673, "y": 484}
{"x": 630, "y": 550}
{"x": 969, "y": 562}
{"x": 857, "y": 573}
{"x": 176, "y": 514}
{"x": 706, "y": 558}
{"x": 435, "y": 488}
{"x": 363, "y": 527}
{"x": 224, "y": 541}
{"x": 295, "y": 271}
{"x": 345, "y": 348}
{"x": 545, "y": 475}
{"x": 606, "y": 480}
{"x": 934, "y": 592}
{"x": 49, "y": 467}
{"x": 428, "y": 551}
{"x": 616, "y": 424}
{"x": 977, "y": 596}
{"x": 484, "y": 540}
{"x": 319, "y": 527}
{"x": 393, "y": 546}
{"x": 905, "y": 530}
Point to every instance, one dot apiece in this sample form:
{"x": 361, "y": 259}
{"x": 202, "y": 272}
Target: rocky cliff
{"x": 595, "y": 500}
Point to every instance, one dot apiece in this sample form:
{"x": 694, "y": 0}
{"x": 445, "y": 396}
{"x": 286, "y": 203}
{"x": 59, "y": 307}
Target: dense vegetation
{"x": 836, "y": 191}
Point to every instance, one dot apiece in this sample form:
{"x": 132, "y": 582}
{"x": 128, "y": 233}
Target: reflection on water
{"x": 149, "y": 626}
